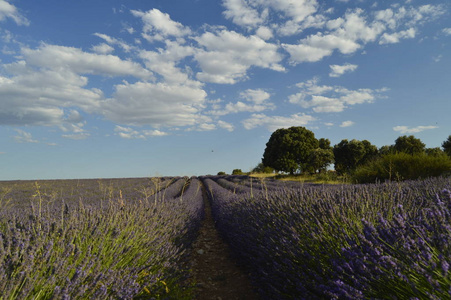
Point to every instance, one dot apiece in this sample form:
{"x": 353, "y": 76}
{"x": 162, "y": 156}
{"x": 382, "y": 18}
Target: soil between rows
{"x": 216, "y": 273}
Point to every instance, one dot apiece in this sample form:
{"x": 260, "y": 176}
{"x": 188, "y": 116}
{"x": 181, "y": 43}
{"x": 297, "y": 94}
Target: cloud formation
{"x": 339, "y": 70}
{"x": 9, "y": 11}
{"x": 328, "y": 99}
{"x": 275, "y": 122}
{"x": 411, "y": 130}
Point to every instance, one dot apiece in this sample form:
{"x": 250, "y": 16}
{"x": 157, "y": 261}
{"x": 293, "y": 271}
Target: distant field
{"x": 132, "y": 238}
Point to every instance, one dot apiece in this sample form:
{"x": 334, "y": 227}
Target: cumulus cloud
{"x": 346, "y": 35}
{"x": 356, "y": 28}
{"x": 326, "y": 99}
{"x": 273, "y": 123}
{"x": 347, "y": 124}
{"x": 411, "y": 130}
{"x": 78, "y": 61}
{"x": 447, "y": 31}
{"x": 103, "y": 49}
{"x": 225, "y": 125}
{"x": 44, "y": 97}
{"x": 8, "y": 10}
{"x": 397, "y": 36}
{"x": 159, "y": 26}
{"x": 339, "y": 70}
{"x": 241, "y": 13}
{"x": 292, "y": 15}
{"x": 165, "y": 62}
{"x": 256, "y": 100}
{"x": 227, "y": 56}
{"x": 24, "y": 137}
{"x": 130, "y": 133}
{"x": 114, "y": 41}
{"x": 144, "y": 103}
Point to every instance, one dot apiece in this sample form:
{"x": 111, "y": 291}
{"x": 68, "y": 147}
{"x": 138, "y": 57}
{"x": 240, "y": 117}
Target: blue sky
{"x": 92, "y": 89}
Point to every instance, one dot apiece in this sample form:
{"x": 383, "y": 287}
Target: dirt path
{"x": 217, "y": 275}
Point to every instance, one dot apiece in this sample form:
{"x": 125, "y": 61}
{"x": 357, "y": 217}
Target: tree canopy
{"x": 290, "y": 150}
{"x": 446, "y": 145}
{"x": 350, "y": 154}
{"x": 409, "y": 144}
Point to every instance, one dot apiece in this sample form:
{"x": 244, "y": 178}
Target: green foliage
{"x": 261, "y": 168}
{"x": 222, "y": 173}
{"x": 446, "y": 145}
{"x": 402, "y": 166}
{"x": 351, "y": 154}
{"x": 237, "y": 172}
{"x": 434, "y": 151}
{"x": 409, "y": 144}
{"x": 320, "y": 159}
{"x": 289, "y": 149}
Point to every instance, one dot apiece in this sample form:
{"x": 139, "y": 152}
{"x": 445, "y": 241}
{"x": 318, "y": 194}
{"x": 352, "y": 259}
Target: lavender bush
{"x": 380, "y": 241}
{"x": 111, "y": 247}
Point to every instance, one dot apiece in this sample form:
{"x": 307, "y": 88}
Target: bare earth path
{"x": 216, "y": 273}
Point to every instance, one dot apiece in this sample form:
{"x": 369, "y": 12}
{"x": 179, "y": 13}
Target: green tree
{"x": 289, "y": 150}
{"x": 320, "y": 159}
{"x": 261, "y": 168}
{"x": 446, "y": 145}
{"x": 324, "y": 144}
{"x": 409, "y": 144}
{"x": 350, "y": 154}
{"x": 384, "y": 150}
{"x": 237, "y": 172}
{"x": 435, "y": 151}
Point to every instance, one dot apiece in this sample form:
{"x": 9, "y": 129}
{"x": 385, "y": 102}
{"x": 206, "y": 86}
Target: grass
{"x": 329, "y": 177}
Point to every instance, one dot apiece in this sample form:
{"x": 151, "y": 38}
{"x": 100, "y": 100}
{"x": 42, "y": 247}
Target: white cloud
{"x": 61, "y": 57}
{"x": 447, "y": 31}
{"x": 40, "y": 96}
{"x": 273, "y": 123}
{"x": 256, "y": 101}
{"x": 338, "y": 70}
{"x": 159, "y": 25}
{"x": 293, "y": 15}
{"x": 130, "y": 133}
{"x": 228, "y": 55}
{"x": 103, "y": 49}
{"x": 397, "y": 36}
{"x": 411, "y": 130}
{"x": 24, "y": 137}
{"x": 264, "y": 33}
{"x": 114, "y": 41}
{"x": 241, "y": 13}
{"x": 351, "y": 32}
{"x": 226, "y": 126}
{"x": 154, "y": 104}
{"x": 258, "y": 96}
{"x": 347, "y": 124}
{"x": 154, "y": 133}
{"x": 77, "y": 136}
{"x": 8, "y": 10}
{"x": 323, "y": 99}
{"x": 164, "y": 62}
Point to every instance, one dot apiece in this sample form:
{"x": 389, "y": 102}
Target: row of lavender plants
{"x": 379, "y": 241}
{"x": 107, "y": 239}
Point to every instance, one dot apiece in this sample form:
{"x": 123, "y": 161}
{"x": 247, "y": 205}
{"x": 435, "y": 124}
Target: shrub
{"x": 402, "y": 166}
{"x": 237, "y": 172}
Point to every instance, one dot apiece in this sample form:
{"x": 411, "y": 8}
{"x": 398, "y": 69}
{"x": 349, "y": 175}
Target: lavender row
{"x": 127, "y": 248}
{"x": 341, "y": 242}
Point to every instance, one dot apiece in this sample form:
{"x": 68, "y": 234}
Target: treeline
{"x": 296, "y": 150}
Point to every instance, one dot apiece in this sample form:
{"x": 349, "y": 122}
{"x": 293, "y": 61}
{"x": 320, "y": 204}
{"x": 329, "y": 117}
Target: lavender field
{"x": 132, "y": 238}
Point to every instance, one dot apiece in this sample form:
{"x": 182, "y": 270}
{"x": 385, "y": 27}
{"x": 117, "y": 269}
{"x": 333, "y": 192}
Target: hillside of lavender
{"x": 132, "y": 238}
